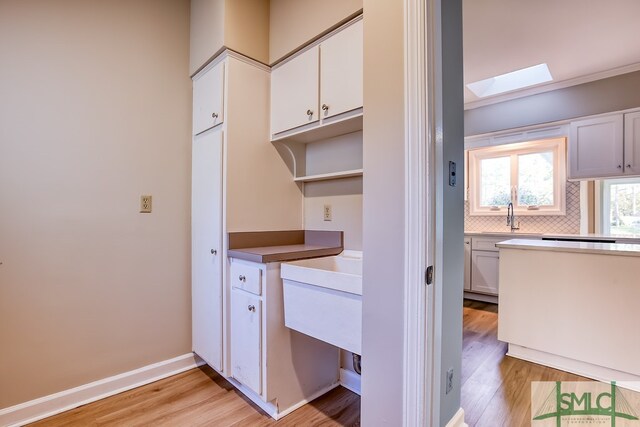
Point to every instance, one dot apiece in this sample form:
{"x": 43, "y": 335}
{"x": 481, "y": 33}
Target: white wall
{"x": 95, "y": 110}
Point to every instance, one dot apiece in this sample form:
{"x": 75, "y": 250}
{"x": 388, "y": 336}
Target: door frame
{"x": 420, "y": 391}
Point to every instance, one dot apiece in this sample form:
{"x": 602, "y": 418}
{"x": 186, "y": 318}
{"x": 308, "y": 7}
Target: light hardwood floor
{"x": 496, "y": 391}
{"x": 201, "y": 397}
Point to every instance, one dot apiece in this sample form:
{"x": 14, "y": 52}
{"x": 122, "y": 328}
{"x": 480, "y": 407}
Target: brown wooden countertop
{"x": 279, "y": 246}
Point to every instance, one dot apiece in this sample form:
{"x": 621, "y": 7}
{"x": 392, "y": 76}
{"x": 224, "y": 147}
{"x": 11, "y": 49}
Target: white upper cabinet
{"x": 632, "y": 144}
{"x": 341, "y": 71}
{"x": 294, "y": 92}
{"x": 596, "y": 147}
{"x": 208, "y": 99}
{"x": 319, "y": 84}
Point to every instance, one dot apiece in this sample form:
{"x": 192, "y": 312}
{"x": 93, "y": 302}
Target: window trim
{"x": 556, "y": 145}
{"x": 603, "y": 202}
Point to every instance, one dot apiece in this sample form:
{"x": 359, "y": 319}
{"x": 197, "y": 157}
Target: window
{"x": 620, "y": 206}
{"x": 531, "y": 175}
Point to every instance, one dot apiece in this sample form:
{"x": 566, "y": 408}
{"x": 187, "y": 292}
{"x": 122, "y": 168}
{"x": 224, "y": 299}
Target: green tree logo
{"x": 611, "y": 404}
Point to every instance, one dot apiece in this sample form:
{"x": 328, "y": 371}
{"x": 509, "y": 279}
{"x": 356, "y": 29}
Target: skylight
{"x": 511, "y": 81}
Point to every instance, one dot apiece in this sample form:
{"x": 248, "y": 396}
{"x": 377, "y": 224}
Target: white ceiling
{"x": 575, "y": 38}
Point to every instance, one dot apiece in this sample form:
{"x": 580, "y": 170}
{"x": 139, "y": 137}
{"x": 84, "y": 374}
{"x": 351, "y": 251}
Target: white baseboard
{"x": 457, "y": 420}
{"x": 350, "y": 380}
{"x": 271, "y": 409}
{"x": 53, "y": 404}
{"x": 493, "y": 299}
{"x": 589, "y": 370}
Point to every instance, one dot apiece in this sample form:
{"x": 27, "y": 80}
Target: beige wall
{"x": 240, "y": 25}
{"x": 293, "y": 23}
{"x": 246, "y": 28}
{"x": 335, "y": 154}
{"x": 383, "y": 221}
{"x": 95, "y": 111}
{"x": 207, "y": 31}
{"x": 345, "y": 198}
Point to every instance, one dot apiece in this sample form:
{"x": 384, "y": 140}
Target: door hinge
{"x": 428, "y": 275}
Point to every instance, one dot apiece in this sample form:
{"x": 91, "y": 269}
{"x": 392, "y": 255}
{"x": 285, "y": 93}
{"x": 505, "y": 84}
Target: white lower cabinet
{"x": 482, "y": 266}
{"x": 277, "y": 368}
{"x": 467, "y": 263}
{"x": 246, "y": 340}
{"x": 484, "y": 272}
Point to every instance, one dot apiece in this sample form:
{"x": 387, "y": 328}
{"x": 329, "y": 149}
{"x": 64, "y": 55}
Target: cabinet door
{"x": 596, "y": 147}
{"x": 632, "y": 144}
{"x": 484, "y": 271}
{"x": 341, "y": 71}
{"x": 208, "y": 99}
{"x": 467, "y": 263}
{"x": 246, "y": 343}
{"x": 294, "y": 92}
{"x": 206, "y": 247}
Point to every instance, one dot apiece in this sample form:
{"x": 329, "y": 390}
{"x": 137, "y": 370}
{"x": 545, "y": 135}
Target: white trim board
{"x": 272, "y": 409}
{"x": 421, "y": 399}
{"x": 56, "y": 403}
{"x": 350, "y": 380}
{"x": 585, "y": 369}
{"x": 457, "y": 420}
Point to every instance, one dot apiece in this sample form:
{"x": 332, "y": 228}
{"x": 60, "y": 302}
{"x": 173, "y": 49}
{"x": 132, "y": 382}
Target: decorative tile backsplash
{"x": 568, "y": 224}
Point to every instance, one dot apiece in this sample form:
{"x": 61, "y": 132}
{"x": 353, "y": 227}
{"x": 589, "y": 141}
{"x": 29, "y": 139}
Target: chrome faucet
{"x": 511, "y": 218}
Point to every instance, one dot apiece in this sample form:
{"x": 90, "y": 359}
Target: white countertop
{"x": 620, "y": 249}
{"x": 524, "y": 234}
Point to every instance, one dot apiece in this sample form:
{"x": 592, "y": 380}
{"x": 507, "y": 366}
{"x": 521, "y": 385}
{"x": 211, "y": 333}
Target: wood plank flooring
{"x": 496, "y": 389}
{"x": 495, "y": 392}
{"x": 201, "y": 397}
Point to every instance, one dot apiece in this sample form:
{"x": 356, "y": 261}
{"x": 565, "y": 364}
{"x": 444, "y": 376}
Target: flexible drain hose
{"x": 357, "y": 359}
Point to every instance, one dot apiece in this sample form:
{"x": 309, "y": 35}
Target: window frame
{"x": 555, "y": 145}
{"x": 603, "y": 202}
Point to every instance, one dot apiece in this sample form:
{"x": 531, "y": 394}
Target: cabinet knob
{"x": 214, "y": 115}
{"x": 251, "y": 308}
{"x": 325, "y": 107}
{"x": 242, "y": 278}
{"x": 628, "y": 166}
{"x": 214, "y": 252}
{"x": 619, "y": 166}
{"x": 309, "y": 113}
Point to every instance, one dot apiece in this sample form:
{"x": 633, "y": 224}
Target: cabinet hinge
{"x": 428, "y": 275}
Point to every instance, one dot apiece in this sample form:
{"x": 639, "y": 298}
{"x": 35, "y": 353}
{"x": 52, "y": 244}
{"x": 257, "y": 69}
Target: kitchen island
{"x": 573, "y": 306}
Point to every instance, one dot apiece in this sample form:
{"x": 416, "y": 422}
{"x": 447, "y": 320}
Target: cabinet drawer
{"x": 246, "y": 277}
{"x": 486, "y": 243}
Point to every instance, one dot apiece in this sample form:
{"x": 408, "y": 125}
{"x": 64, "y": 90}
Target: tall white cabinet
{"x": 206, "y": 247}
{"x": 237, "y": 175}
